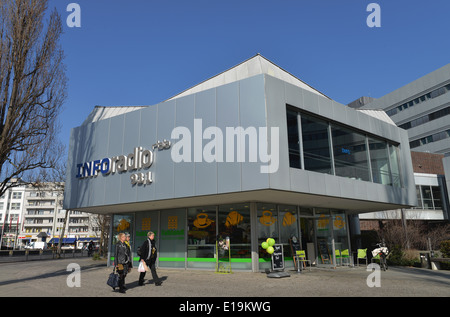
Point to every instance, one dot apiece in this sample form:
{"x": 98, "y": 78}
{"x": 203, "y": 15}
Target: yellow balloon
{"x": 270, "y": 250}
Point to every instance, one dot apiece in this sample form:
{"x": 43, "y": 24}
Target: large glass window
{"x": 341, "y": 237}
{"x": 350, "y": 153}
{"x": 201, "y": 236}
{"x": 120, "y": 223}
{"x": 145, "y": 221}
{"x": 379, "y": 161}
{"x": 395, "y": 169}
{"x": 267, "y": 226}
{"x": 234, "y": 222}
{"x": 172, "y": 252}
{"x": 288, "y": 227}
{"x": 437, "y": 200}
{"x": 293, "y": 139}
{"x": 427, "y": 198}
{"x": 316, "y": 145}
{"x": 324, "y": 237}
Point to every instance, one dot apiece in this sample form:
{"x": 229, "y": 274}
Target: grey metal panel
{"x": 131, "y": 138}
{"x": 310, "y": 101}
{"x": 293, "y": 95}
{"x": 115, "y": 147}
{"x": 184, "y": 172}
{"x": 228, "y": 173}
{"x": 325, "y": 107}
{"x": 147, "y": 138}
{"x": 99, "y": 146}
{"x": 206, "y": 172}
{"x": 164, "y": 165}
{"x": 252, "y": 112}
{"x": 276, "y": 117}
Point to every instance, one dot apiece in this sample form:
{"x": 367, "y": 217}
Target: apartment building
{"x": 29, "y": 213}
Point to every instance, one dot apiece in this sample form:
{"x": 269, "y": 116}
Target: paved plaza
{"x": 52, "y": 278}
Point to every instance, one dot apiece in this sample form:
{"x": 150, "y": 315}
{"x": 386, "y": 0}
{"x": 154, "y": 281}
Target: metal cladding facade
{"x": 124, "y": 163}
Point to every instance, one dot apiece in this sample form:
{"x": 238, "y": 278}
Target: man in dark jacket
{"x": 148, "y": 255}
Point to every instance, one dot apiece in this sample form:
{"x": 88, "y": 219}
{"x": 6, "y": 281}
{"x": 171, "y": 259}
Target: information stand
{"x": 223, "y": 255}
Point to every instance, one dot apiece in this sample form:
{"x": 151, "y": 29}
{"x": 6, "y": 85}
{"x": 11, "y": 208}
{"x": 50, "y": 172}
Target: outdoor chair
{"x": 362, "y": 255}
{"x": 301, "y": 257}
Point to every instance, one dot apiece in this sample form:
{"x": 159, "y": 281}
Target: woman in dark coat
{"x": 121, "y": 260}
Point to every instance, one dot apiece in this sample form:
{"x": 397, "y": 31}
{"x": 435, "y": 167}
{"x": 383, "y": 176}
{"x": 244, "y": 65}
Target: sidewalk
{"x": 49, "y": 279}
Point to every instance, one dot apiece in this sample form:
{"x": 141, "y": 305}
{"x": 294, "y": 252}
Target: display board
{"x": 278, "y": 257}
{"x": 324, "y": 251}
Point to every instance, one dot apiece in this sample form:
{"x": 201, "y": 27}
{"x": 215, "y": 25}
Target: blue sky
{"x": 141, "y": 52}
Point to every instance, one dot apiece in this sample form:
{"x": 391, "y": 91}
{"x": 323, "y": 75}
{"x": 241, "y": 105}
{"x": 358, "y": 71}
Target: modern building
{"x": 431, "y": 190}
{"x": 249, "y": 154}
{"x": 29, "y": 213}
{"x": 421, "y": 107}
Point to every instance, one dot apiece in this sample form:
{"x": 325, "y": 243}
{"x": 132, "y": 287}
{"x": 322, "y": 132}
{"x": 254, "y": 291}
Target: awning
{"x": 88, "y": 239}
{"x": 65, "y": 240}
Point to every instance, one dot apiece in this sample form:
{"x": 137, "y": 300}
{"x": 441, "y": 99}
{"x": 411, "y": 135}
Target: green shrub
{"x": 445, "y": 248}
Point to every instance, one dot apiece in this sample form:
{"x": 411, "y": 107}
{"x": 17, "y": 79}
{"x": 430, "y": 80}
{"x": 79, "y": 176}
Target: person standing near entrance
{"x": 121, "y": 261}
{"x": 130, "y": 259}
{"x": 148, "y": 255}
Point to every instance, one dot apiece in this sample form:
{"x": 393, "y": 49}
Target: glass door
{"x": 324, "y": 233}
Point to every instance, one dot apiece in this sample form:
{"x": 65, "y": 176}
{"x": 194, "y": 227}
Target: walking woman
{"x": 121, "y": 261}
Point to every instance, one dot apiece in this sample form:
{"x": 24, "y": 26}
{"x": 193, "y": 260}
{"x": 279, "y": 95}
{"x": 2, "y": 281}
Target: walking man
{"x": 148, "y": 255}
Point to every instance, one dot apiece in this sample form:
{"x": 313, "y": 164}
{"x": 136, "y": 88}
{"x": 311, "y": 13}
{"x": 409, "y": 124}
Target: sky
{"x": 142, "y": 52}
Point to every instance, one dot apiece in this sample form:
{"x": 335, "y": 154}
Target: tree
{"x": 32, "y": 89}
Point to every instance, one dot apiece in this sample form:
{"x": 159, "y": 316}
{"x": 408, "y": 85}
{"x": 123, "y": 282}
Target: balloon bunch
{"x": 268, "y": 245}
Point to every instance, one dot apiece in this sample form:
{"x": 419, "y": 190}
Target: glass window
{"x": 437, "y": 201}
{"x": 201, "y": 236}
{"x": 288, "y": 227}
{"x": 234, "y": 222}
{"x": 267, "y": 225}
{"x": 350, "y": 153}
{"x": 395, "y": 168}
{"x": 340, "y": 231}
{"x": 324, "y": 237}
{"x": 426, "y": 197}
{"x": 145, "y": 222}
{"x": 316, "y": 145}
{"x": 293, "y": 139}
{"x": 379, "y": 161}
{"x": 121, "y": 223}
{"x": 172, "y": 247}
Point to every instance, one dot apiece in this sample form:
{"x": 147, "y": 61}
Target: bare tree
{"x": 32, "y": 89}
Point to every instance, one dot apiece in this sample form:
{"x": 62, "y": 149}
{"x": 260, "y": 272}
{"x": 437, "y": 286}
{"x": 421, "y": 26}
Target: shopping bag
{"x": 113, "y": 280}
{"x": 141, "y": 267}
{"x": 145, "y": 267}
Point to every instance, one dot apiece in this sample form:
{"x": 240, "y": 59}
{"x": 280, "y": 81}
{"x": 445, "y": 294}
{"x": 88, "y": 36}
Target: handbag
{"x": 113, "y": 279}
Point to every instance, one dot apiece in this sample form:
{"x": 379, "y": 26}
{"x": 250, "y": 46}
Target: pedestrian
{"x": 90, "y": 248}
{"x": 121, "y": 261}
{"x": 148, "y": 254}
{"x": 128, "y": 244}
